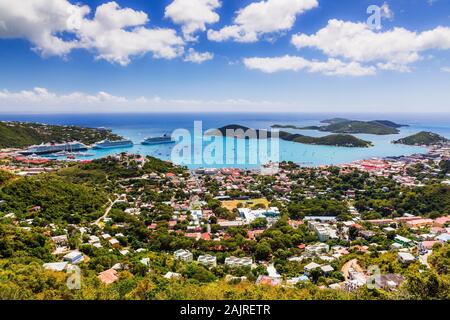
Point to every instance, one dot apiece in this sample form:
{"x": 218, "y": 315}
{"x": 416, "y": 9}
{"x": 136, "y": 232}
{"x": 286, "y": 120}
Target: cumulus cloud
{"x": 40, "y": 21}
{"x": 331, "y": 67}
{"x": 393, "y": 49}
{"x": 198, "y": 57}
{"x": 42, "y": 100}
{"x": 193, "y": 15}
{"x": 264, "y": 17}
{"x": 114, "y": 34}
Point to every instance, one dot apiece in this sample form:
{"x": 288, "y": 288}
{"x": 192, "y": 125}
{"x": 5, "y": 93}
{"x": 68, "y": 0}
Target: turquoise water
{"x": 139, "y": 126}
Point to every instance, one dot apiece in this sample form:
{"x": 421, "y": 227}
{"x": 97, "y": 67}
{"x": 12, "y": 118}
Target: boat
{"x": 49, "y": 148}
{"x": 108, "y": 144}
{"x": 165, "y": 139}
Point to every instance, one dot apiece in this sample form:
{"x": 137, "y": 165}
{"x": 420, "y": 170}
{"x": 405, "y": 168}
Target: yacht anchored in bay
{"x": 165, "y": 139}
{"x": 107, "y": 144}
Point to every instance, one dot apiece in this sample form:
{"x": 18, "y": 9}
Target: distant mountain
{"x": 241, "y": 130}
{"x": 422, "y": 138}
{"x": 340, "y": 140}
{"x": 390, "y": 123}
{"x": 285, "y": 126}
{"x": 346, "y": 126}
{"x": 335, "y": 120}
{"x": 23, "y": 134}
{"x": 355, "y": 127}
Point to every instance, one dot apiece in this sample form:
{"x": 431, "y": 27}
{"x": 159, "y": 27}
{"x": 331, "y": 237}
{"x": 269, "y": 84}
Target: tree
{"x": 262, "y": 250}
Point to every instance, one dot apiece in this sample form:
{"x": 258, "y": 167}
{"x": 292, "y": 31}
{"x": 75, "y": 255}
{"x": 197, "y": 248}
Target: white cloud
{"x": 445, "y": 69}
{"x": 193, "y": 15}
{"x": 331, "y": 67}
{"x": 264, "y": 17}
{"x": 39, "y": 21}
{"x": 114, "y": 34}
{"x": 42, "y": 100}
{"x": 392, "y": 49}
{"x": 198, "y": 57}
{"x": 394, "y": 67}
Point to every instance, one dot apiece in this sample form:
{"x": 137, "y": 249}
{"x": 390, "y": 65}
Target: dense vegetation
{"x": 422, "y": 138}
{"x": 341, "y": 140}
{"x": 22, "y": 134}
{"x": 51, "y": 199}
{"x": 432, "y": 201}
{"x": 359, "y": 127}
{"x": 79, "y": 193}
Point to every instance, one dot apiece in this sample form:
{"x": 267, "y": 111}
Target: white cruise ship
{"x": 165, "y": 139}
{"x": 107, "y": 144}
{"x": 49, "y": 148}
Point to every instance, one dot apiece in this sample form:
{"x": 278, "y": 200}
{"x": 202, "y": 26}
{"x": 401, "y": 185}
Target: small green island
{"x": 346, "y": 126}
{"x": 339, "y": 140}
{"x": 23, "y": 134}
{"x": 423, "y": 138}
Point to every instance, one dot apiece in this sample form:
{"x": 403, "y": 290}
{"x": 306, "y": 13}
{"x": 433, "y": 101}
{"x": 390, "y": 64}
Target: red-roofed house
{"x": 109, "y": 276}
{"x": 441, "y": 221}
{"x": 419, "y": 223}
{"x": 194, "y": 235}
{"x": 206, "y": 236}
{"x": 428, "y": 245}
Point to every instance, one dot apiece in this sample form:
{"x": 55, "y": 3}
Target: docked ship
{"x": 158, "y": 140}
{"x": 107, "y": 144}
{"x": 49, "y": 148}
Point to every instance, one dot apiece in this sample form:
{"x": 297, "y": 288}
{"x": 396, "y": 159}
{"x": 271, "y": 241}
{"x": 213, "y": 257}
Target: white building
{"x": 317, "y": 248}
{"x": 207, "y": 260}
{"x": 251, "y": 215}
{"x": 183, "y": 255}
{"x": 55, "y": 266}
{"x": 323, "y": 231}
{"x": 310, "y": 267}
{"x": 238, "y": 262}
{"x": 74, "y": 257}
{"x": 406, "y": 257}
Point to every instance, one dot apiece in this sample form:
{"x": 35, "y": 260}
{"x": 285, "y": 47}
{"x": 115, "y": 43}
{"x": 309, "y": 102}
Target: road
{"x": 351, "y": 264}
{"x": 424, "y": 259}
{"x": 108, "y": 209}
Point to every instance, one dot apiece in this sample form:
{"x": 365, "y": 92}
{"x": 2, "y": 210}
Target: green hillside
{"x": 340, "y": 140}
{"x": 22, "y": 134}
{"x": 346, "y": 126}
{"x": 356, "y": 127}
{"x": 422, "y": 138}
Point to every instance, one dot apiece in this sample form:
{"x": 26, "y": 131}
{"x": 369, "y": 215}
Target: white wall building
{"x": 183, "y": 255}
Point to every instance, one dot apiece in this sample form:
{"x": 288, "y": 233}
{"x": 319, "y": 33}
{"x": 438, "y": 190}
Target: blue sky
{"x": 227, "y": 55}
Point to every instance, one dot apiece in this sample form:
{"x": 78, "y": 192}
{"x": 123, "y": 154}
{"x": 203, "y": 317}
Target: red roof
{"x": 428, "y": 244}
{"x": 206, "y": 236}
{"x": 109, "y": 276}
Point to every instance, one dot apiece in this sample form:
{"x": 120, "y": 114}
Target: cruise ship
{"x": 49, "y": 148}
{"x": 107, "y": 144}
{"x": 158, "y": 140}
